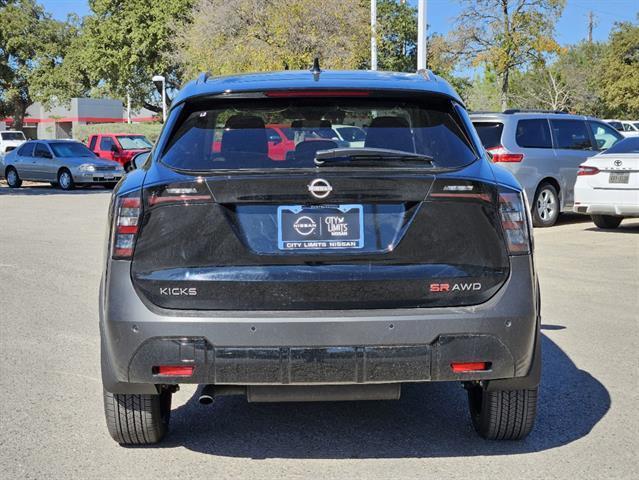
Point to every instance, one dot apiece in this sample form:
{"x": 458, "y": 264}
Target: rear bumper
{"x": 606, "y": 201}
{"x": 316, "y": 347}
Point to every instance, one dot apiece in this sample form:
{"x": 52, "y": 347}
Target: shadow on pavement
{"x": 623, "y": 228}
{"x": 571, "y": 218}
{"x": 430, "y": 420}
{"x": 46, "y": 189}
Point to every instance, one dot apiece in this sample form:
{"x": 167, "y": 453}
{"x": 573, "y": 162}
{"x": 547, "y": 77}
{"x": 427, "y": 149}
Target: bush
{"x": 149, "y": 130}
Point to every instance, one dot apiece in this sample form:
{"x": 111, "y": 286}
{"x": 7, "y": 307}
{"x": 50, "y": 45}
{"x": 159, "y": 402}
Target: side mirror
{"x": 47, "y": 155}
{"x": 600, "y": 143}
{"x": 274, "y": 139}
{"x": 139, "y": 160}
{"x": 114, "y": 149}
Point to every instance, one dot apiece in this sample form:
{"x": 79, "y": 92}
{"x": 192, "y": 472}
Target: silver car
{"x": 544, "y": 150}
{"x": 64, "y": 163}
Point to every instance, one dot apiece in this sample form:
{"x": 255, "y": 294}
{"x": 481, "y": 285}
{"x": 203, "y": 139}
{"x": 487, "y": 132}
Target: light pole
{"x": 373, "y": 34}
{"x": 422, "y": 27}
{"x": 160, "y": 78}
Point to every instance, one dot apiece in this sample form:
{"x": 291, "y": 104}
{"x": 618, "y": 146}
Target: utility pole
{"x": 591, "y": 25}
{"x": 373, "y": 34}
{"x": 128, "y": 108}
{"x": 422, "y": 27}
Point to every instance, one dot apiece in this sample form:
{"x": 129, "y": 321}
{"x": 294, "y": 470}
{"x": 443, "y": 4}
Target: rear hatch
{"x": 234, "y": 230}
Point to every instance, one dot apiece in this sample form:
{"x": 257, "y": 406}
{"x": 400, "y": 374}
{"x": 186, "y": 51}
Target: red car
{"x": 281, "y": 139}
{"x": 120, "y": 147}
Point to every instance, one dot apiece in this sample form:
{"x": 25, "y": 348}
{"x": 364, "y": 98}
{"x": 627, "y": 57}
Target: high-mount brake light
{"x": 126, "y": 218}
{"x": 316, "y": 93}
{"x": 501, "y": 155}
{"x": 514, "y": 221}
{"x": 585, "y": 170}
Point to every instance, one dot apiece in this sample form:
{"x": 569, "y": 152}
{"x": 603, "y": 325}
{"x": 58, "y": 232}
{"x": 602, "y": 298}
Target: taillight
{"x": 514, "y": 220}
{"x": 584, "y": 170}
{"x": 501, "y": 155}
{"x": 126, "y": 219}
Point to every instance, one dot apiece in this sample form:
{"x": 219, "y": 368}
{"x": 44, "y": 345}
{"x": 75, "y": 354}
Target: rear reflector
{"x": 514, "y": 221}
{"x": 584, "y": 170}
{"x": 174, "y": 370}
{"x": 470, "y": 367}
{"x": 501, "y": 155}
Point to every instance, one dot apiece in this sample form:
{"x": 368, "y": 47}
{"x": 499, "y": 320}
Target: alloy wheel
{"x": 546, "y": 204}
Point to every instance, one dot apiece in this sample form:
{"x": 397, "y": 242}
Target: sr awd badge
{"x": 320, "y": 188}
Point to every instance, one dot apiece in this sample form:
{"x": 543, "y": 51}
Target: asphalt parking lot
{"x": 51, "y": 418}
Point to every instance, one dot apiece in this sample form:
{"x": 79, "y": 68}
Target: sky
{"x": 571, "y": 28}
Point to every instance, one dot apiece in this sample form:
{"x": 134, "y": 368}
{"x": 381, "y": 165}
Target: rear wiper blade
{"x": 367, "y": 155}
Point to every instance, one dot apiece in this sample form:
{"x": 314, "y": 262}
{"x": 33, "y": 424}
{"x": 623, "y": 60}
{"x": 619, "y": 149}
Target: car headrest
{"x": 390, "y": 132}
{"x": 244, "y": 133}
{"x": 305, "y": 151}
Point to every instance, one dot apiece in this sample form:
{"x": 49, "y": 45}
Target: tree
{"x": 483, "y": 94}
{"x": 619, "y": 73}
{"x": 123, "y": 44}
{"x": 507, "y": 35}
{"x": 541, "y": 88}
{"x": 397, "y": 36}
{"x": 31, "y": 46}
{"x": 579, "y": 69}
{"x": 231, "y": 36}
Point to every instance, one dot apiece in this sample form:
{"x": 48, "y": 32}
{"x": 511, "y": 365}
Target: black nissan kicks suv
{"x": 336, "y": 271}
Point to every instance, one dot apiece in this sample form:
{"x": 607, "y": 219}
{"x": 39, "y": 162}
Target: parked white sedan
{"x": 607, "y": 186}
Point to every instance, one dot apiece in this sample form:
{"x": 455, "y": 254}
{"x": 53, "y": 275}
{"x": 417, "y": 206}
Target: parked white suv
{"x": 9, "y": 140}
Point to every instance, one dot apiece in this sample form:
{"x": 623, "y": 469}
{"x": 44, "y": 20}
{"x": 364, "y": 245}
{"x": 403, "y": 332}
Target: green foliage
{"x": 483, "y": 94}
{"x": 149, "y": 130}
{"x": 397, "y": 36}
{"x": 31, "y": 46}
{"x": 507, "y": 35}
{"x": 231, "y": 36}
{"x": 122, "y": 45}
{"x": 620, "y": 72}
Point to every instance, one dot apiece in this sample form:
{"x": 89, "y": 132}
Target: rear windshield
{"x": 234, "y": 135}
{"x": 489, "y": 133}
{"x": 12, "y": 135}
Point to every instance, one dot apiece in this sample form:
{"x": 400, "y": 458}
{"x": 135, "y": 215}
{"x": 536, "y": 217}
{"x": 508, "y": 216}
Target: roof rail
{"x": 522, "y": 110}
{"x": 204, "y": 76}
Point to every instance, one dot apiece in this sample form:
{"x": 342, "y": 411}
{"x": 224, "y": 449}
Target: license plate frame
{"x": 619, "y": 177}
{"x": 320, "y": 227}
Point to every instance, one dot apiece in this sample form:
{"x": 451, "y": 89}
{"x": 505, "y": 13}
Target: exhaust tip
{"x": 207, "y": 397}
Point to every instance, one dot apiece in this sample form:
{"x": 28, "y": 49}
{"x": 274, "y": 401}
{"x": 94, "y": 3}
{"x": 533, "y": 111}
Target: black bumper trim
{"x": 321, "y": 365}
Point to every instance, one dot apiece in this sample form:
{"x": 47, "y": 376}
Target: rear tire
{"x": 545, "y": 208}
{"x": 137, "y": 419}
{"x": 606, "y": 221}
{"x": 13, "y": 179}
{"x": 503, "y": 414}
